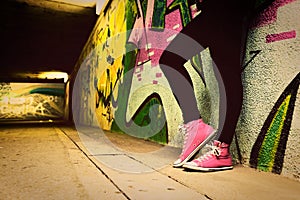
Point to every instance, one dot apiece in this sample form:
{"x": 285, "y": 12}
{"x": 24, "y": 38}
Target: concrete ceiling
{"x": 43, "y": 35}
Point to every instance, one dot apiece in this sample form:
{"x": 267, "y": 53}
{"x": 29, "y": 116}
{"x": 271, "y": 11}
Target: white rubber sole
{"x": 211, "y": 169}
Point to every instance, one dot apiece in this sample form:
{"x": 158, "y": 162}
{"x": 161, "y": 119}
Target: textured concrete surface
{"x": 267, "y": 76}
{"x": 59, "y": 162}
{"x": 41, "y": 163}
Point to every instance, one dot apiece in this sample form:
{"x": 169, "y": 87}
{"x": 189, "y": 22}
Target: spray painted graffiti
{"x": 269, "y": 149}
{"x": 274, "y": 30}
{"x": 168, "y": 18}
{"x": 108, "y": 53}
{"x": 142, "y": 15}
{"x": 269, "y": 15}
{"x": 26, "y": 101}
{"x": 133, "y": 55}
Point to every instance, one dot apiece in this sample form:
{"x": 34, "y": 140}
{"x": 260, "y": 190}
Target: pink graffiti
{"x": 280, "y": 36}
{"x": 160, "y": 40}
{"x": 151, "y": 43}
{"x": 158, "y": 75}
{"x": 269, "y": 15}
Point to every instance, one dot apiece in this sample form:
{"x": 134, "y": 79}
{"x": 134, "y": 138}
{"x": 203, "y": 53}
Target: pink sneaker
{"x": 197, "y": 134}
{"x": 218, "y": 158}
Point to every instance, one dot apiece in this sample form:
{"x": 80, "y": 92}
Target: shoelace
{"x": 184, "y": 129}
{"x": 214, "y": 150}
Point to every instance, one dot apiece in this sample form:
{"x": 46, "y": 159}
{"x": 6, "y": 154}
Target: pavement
{"x": 50, "y": 161}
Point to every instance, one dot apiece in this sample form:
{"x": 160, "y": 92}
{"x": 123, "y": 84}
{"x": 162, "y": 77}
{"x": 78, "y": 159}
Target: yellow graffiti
{"x": 110, "y": 40}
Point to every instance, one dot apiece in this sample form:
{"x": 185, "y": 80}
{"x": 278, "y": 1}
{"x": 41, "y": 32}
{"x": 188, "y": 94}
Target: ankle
{"x": 223, "y": 148}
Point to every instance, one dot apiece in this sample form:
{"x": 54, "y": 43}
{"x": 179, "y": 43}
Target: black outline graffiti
{"x": 291, "y": 89}
{"x": 256, "y": 52}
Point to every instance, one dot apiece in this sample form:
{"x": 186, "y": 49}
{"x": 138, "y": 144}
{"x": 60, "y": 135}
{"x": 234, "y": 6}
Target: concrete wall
{"x": 269, "y": 128}
{"x": 123, "y": 89}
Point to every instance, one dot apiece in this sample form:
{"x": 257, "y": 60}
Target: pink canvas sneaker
{"x": 218, "y": 158}
{"x": 197, "y": 134}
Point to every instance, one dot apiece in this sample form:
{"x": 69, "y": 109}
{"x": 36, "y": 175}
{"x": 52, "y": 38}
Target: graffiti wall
{"x": 31, "y": 101}
{"x": 122, "y": 87}
{"x": 270, "y": 116}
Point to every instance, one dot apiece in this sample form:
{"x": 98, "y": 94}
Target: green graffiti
{"x": 141, "y": 125}
{"x": 268, "y": 151}
{"x": 184, "y": 10}
{"x": 143, "y": 120}
{"x": 144, "y": 4}
{"x": 131, "y": 13}
{"x": 270, "y": 144}
{"x": 158, "y": 19}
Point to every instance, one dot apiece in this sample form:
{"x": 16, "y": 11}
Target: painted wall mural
{"x": 269, "y": 149}
{"x": 270, "y": 114}
{"x": 123, "y": 88}
{"x": 119, "y": 59}
{"x": 31, "y": 101}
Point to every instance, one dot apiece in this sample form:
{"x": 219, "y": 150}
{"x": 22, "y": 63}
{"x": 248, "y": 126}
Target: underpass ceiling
{"x": 41, "y": 35}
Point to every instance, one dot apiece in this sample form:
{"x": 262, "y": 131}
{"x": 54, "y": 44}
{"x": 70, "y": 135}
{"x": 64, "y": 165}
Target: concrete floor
{"x": 58, "y": 162}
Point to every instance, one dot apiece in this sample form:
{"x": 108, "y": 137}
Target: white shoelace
{"x": 214, "y": 150}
